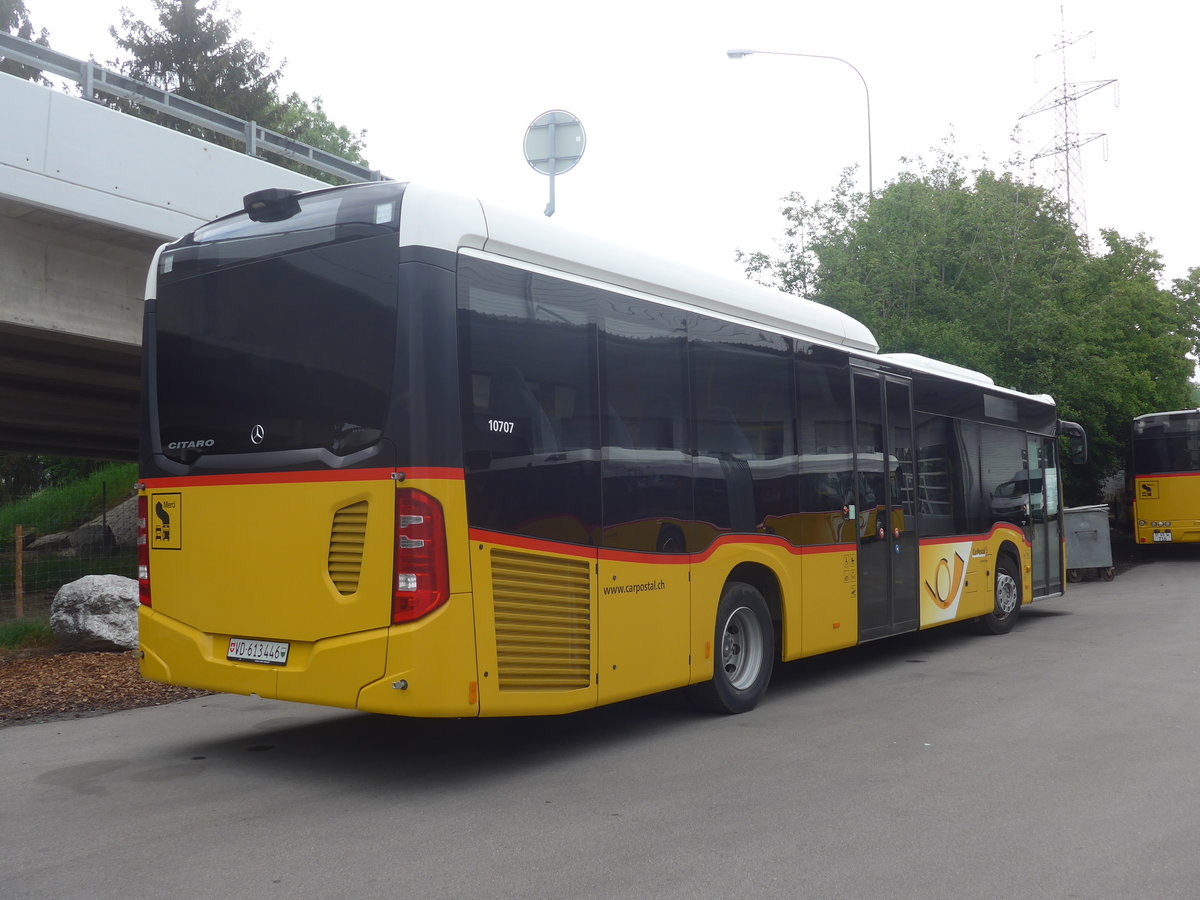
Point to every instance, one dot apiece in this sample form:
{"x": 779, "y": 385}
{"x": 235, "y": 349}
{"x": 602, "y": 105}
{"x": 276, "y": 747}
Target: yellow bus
{"x": 409, "y": 453}
{"x": 1164, "y": 477}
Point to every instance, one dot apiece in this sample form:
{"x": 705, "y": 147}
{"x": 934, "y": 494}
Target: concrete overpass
{"x": 86, "y": 195}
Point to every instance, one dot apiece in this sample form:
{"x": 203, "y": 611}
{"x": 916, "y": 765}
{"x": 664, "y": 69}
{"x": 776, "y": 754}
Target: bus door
{"x": 1043, "y": 520}
{"x": 885, "y": 505}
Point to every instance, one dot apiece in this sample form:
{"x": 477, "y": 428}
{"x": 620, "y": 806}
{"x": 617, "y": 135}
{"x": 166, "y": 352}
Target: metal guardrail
{"x": 93, "y": 78}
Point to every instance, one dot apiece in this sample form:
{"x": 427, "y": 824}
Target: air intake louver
{"x": 346, "y": 541}
{"x": 543, "y": 622}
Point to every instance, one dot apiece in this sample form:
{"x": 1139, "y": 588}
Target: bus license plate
{"x": 1160, "y": 536}
{"x": 271, "y": 653}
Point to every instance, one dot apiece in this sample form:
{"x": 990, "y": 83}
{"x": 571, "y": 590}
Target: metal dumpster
{"x": 1088, "y": 543}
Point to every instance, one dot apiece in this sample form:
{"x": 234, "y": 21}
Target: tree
{"x": 194, "y": 52}
{"x": 308, "y": 123}
{"x": 14, "y": 19}
{"x": 22, "y": 474}
{"x": 985, "y": 271}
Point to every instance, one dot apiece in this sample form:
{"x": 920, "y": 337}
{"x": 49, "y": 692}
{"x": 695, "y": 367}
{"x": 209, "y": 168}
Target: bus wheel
{"x": 743, "y": 652}
{"x": 1007, "y": 606}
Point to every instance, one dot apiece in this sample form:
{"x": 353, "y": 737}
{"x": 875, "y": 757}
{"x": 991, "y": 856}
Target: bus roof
{"x": 448, "y": 220}
{"x": 442, "y": 219}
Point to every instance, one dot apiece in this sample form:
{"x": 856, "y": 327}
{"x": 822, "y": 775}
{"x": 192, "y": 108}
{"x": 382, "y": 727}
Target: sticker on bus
{"x": 165, "y": 526}
{"x": 271, "y": 653}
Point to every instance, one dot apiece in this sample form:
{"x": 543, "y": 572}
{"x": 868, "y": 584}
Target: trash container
{"x": 1088, "y": 543}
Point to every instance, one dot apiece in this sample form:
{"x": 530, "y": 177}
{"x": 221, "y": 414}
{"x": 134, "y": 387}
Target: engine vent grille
{"x": 346, "y": 541}
{"x": 543, "y": 622}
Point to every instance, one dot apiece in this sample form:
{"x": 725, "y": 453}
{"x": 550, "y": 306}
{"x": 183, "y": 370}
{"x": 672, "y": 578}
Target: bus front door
{"x": 1043, "y": 520}
{"x": 885, "y": 505}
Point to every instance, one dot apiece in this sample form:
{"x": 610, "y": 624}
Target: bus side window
{"x": 720, "y": 435}
{"x": 513, "y": 409}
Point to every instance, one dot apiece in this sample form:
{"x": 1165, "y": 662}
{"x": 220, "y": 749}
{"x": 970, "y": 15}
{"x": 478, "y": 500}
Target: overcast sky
{"x": 689, "y": 152}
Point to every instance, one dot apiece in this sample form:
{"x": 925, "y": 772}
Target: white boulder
{"x": 96, "y": 612}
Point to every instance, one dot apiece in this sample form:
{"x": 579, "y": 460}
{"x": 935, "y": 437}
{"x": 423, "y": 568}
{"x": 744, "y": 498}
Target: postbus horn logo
{"x": 946, "y": 587}
{"x": 257, "y": 434}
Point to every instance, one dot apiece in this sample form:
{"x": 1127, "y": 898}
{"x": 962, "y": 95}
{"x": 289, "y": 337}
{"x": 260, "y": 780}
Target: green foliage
{"x": 14, "y": 19}
{"x": 22, "y": 634}
{"x": 307, "y": 122}
{"x": 22, "y": 474}
{"x": 193, "y": 52}
{"x": 984, "y": 271}
{"x": 58, "y": 508}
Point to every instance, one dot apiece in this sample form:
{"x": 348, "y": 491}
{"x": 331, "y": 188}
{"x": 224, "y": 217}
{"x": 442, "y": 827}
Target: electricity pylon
{"x": 1068, "y": 171}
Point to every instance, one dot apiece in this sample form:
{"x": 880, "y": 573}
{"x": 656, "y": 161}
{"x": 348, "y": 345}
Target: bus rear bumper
{"x": 426, "y": 668}
{"x": 329, "y": 672}
{"x": 1177, "y": 532}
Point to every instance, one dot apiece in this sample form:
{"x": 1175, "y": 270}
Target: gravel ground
{"x": 41, "y": 685}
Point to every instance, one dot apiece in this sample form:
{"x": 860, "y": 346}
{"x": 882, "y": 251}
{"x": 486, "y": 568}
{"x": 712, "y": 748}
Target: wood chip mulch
{"x": 41, "y": 685}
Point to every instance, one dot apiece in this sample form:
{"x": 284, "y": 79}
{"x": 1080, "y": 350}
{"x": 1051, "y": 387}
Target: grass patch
{"x": 66, "y": 506}
{"x": 24, "y": 634}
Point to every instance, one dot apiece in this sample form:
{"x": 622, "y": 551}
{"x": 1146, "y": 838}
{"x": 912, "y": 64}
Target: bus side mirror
{"x": 1077, "y": 451}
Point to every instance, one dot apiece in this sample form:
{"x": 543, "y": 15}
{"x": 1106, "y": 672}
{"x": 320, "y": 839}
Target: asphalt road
{"x": 1058, "y": 761}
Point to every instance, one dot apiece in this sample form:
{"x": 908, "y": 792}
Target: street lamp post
{"x": 738, "y": 54}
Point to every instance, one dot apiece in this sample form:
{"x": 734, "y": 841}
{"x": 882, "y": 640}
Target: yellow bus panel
{"x": 1166, "y": 509}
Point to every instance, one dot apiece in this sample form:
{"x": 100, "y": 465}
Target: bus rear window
{"x": 285, "y": 353}
{"x": 327, "y": 217}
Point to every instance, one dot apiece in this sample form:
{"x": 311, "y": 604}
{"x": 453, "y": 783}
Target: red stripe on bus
{"x": 306, "y": 477}
{"x": 546, "y": 546}
{"x": 959, "y": 538}
{"x": 1165, "y": 475}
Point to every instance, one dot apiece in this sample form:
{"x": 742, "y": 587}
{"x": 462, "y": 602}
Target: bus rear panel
{"x": 1164, "y": 478}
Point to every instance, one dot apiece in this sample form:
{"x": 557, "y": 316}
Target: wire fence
{"x": 38, "y": 559}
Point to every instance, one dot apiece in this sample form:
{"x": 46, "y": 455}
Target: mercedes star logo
{"x": 257, "y": 434}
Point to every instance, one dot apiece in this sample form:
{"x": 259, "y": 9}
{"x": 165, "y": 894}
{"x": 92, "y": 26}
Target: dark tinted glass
{"x": 746, "y": 467}
{"x": 1179, "y": 453}
{"x": 647, "y": 468}
{"x": 1006, "y": 480}
{"x": 528, "y": 374}
{"x": 334, "y": 216}
{"x": 947, "y": 477}
{"x": 968, "y": 401}
{"x": 826, "y": 458}
{"x": 287, "y": 353}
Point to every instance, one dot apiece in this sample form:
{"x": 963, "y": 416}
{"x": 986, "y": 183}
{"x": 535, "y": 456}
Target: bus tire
{"x": 1007, "y": 599}
{"x": 743, "y": 652}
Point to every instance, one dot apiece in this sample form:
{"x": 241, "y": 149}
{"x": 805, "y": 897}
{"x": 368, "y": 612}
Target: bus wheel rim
{"x": 742, "y": 648}
{"x": 1006, "y": 594}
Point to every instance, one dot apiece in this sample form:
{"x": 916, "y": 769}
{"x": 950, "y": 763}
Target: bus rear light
{"x": 422, "y": 573}
{"x": 143, "y": 551}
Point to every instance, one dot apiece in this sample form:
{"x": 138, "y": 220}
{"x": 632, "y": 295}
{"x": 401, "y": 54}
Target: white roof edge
{"x": 937, "y": 367}
{"x": 1169, "y": 412}
{"x": 959, "y": 373}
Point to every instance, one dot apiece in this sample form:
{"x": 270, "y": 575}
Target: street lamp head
{"x": 738, "y": 54}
